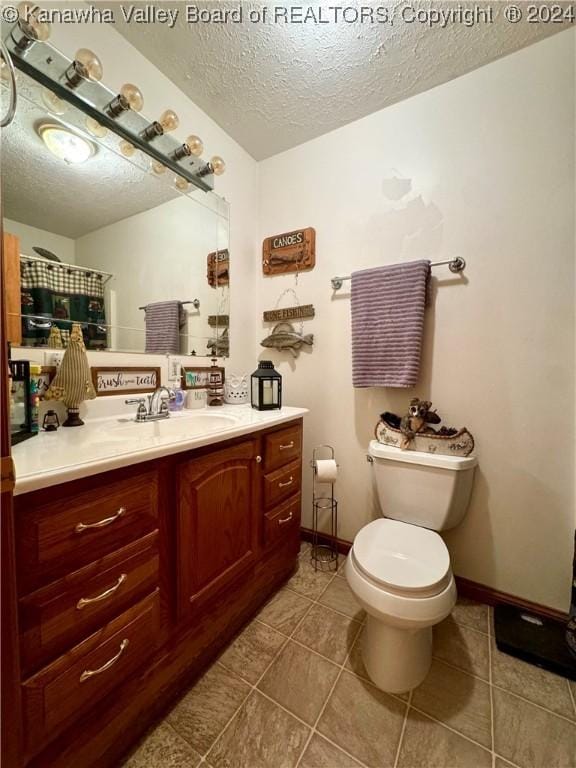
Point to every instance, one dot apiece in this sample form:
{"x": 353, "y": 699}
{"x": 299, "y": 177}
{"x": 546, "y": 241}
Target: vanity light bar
{"x": 48, "y": 66}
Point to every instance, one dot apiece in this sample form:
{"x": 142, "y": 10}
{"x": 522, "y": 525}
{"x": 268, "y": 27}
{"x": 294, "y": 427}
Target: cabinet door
{"x": 218, "y": 521}
{"x": 11, "y": 290}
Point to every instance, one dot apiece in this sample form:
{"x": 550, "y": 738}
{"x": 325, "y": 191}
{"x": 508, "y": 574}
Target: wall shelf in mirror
{"x": 106, "y": 276}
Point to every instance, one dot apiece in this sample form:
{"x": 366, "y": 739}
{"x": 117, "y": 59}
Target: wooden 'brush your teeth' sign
{"x": 289, "y": 252}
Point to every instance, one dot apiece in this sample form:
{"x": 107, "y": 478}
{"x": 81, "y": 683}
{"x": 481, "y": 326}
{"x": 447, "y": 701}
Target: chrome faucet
{"x": 153, "y": 407}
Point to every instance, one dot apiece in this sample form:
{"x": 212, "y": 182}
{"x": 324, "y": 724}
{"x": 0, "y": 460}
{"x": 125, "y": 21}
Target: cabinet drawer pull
{"x": 285, "y": 519}
{"x": 101, "y": 523}
{"x": 88, "y": 600}
{"x": 88, "y": 673}
{"x": 287, "y": 483}
{"x": 286, "y": 447}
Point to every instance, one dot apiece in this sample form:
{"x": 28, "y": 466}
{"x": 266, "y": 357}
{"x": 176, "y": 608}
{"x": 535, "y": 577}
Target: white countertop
{"x": 109, "y": 443}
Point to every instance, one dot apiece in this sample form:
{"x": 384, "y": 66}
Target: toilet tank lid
{"x": 380, "y": 451}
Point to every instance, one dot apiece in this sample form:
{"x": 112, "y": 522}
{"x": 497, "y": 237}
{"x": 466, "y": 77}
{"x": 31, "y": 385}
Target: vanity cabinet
{"x": 218, "y": 520}
{"x": 131, "y": 582}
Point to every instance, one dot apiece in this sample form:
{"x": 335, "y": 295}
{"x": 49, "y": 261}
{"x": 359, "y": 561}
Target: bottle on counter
{"x": 178, "y": 403}
{"x": 35, "y": 371}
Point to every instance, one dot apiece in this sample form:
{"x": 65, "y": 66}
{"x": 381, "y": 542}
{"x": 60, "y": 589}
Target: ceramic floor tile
{"x": 462, "y": 647}
{"x": 457, "y": 699}
{"x": 500, "y": 763}
{"x": 572, "y": 686}
{"x": 252, "y": 651}
{"x": 538, "y": 685}
{"x": 321, "y": 754}
{"x": 531, "y": 737}
{"x": 363, "y": 720}
{"x": 308, "y": 582}
{"x": 261, "y": 735}
{"x": 304, "y": 549}
{"x": 164, "y": 748}
{"x": 340, "y": 597}
{"x": 327, "y": 632}
{"x": 204, "y": 711}
{"x": 468, "y": 613}
{"x": 427, "y": 744}
{"x": 355, "y": 663}
{"x": 284, "y": 611}
{"x": 300, "y": 680}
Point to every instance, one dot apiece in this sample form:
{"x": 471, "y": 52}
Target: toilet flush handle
{"x": 369, "y": 459}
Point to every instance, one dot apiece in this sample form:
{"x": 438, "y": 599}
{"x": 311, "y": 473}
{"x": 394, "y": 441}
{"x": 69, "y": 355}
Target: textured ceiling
{"x": 274, "y": 85}
{"x": 42, "y": 191}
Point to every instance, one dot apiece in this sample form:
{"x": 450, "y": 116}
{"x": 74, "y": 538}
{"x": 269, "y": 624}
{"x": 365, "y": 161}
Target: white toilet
{"x": 399, "y": 568}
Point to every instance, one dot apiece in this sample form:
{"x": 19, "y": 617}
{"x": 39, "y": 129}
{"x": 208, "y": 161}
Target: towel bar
{"x": 455, "y": 265}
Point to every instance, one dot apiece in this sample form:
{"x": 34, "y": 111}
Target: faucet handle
{"x": 141, "y": 411}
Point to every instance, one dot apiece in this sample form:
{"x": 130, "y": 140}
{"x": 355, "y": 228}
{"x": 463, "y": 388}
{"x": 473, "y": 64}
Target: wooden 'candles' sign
{"x": 218, "y": 268}
{"x": 114, "y": 380}
{"x": 289, "y": 252}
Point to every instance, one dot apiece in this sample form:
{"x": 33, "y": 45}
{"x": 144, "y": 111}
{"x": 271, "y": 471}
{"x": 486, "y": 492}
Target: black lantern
{"x": 266, "y": 387}
{"x": 51, "y": 422}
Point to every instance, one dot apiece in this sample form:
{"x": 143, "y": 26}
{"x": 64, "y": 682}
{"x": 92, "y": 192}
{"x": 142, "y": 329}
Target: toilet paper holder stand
{"x": 324, "y": 550}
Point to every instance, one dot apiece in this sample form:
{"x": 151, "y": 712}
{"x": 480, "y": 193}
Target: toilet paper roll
{"x": 326, "y": 470}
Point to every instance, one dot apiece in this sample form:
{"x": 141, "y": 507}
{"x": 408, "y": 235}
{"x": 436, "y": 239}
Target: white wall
{"x": 490, "y": 161}
{"x": 63, "y": 247}
{"x": 122, "y": 63}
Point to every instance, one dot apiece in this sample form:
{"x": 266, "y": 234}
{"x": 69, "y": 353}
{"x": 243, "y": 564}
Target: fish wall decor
{"x": 284, "y": 337}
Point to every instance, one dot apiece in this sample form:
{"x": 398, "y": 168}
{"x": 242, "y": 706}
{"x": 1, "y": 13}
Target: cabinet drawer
{"x": 282, "y": 522}
{"x": 64, "y": 535}
{"x": 282, "y": 484}
{"x": 56, "y": 617}
{"x": 282, "y": 447}
{"x": 76, "y": 681}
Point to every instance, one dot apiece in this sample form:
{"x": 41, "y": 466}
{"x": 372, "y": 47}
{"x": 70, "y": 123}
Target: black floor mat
{"x": 535, "y": 639}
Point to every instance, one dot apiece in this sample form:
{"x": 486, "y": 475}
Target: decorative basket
{"x": 236, "y": 389}
{"x": 459, "y": 444}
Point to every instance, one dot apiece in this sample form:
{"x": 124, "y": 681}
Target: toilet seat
{"x": 403, "y": 559}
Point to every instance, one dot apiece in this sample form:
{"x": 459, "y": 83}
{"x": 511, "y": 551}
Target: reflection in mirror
{"x": 108, "y": 239}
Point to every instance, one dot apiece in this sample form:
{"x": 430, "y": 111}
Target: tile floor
{"x": 291, "y": 691}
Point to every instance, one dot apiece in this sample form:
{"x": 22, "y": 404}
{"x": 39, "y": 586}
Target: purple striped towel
{"x": 388, "y": 306}
{"x": 163, "y": 322}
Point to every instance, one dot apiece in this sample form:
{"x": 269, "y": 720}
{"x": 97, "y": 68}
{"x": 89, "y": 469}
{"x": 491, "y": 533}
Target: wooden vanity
{"x": 131, "y": 581}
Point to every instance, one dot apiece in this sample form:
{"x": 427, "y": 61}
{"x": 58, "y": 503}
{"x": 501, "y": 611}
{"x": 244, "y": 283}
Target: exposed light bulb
{"x": 133, "y": 96}
{"x": 30, "y": 25}
{"x": 181, "y": 184}
{"x": 53, "y": 103}
{"x": 195, "y": 145}
{"x": 94, "y": 127}
{"x": 157, "y": 167}
{"x": 218, "y": 165}
{"x": 126, "y": 148}
{"x": 88, "y": 64}
{"x": 169, "y": 121}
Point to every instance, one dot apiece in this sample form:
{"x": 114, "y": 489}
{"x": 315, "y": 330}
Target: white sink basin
{"x": 175, "y": 428}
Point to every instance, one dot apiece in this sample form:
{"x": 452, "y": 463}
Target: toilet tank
{"x": 422, "y": 488}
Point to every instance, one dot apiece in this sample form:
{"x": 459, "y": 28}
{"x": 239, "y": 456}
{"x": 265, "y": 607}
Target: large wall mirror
{"x": 105, "y": 235}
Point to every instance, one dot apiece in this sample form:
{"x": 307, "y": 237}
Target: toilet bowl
{"x": 401, "y": 576}
{"x": 399, "y": 567}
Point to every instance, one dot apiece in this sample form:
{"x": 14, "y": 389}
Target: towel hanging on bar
{"x": 388, "y": 305}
